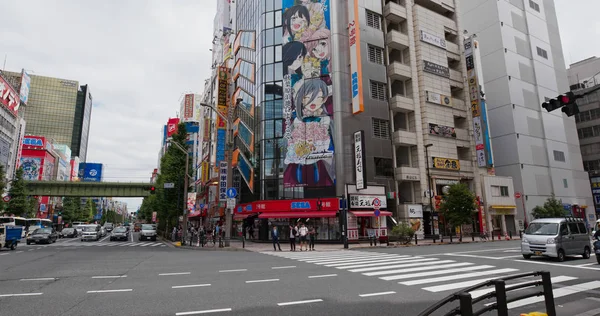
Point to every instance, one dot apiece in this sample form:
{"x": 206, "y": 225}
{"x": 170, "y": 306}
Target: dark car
{"x": 42, "y": 235}
{"x": 119, "y": 233}
{"x": 68, "y": 232}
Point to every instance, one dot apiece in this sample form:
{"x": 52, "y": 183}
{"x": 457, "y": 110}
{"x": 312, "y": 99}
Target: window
{"x": 559, "y": 156}
{"x": 587, "y": 115}
{"x": 573, "y": 227}
{"x": 384, "y": 167}
{"x": 381, "y": 128}
{"x": 565, "y": 183}
{"x": 503, "y": 191}
{"x": 582, "y": 228}
{"x": 373, "y": 20}
{"x": 378, "y": 90}
{"x": 498, "y": 190}
{"x": 542, "y": 53}
{"x": 376, "y": 54}
{"x": 534, "y": 5}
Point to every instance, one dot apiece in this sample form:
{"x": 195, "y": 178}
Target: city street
{"x": 142, "y": 279}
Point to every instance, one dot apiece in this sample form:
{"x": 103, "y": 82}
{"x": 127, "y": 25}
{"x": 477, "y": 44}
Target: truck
{"x": 10, "y": 236}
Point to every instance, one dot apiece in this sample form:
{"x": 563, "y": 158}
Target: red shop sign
{"x": 327, "y": 204}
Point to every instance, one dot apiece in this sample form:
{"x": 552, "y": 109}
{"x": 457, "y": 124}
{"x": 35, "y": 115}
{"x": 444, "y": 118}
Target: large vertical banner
{"x": 355, "y": 58}
{"x": 307, "y": 106}
{"x": 31, "y": 168}
{"x": 222, "y": 108}
{"x": 475, "y": 101}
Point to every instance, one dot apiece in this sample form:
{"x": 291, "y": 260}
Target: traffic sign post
{"x": 6, "y": 199}
{"x": 231, "y": 193}
{"x": 169, "y": 185}
{"x": 519, "y": 196}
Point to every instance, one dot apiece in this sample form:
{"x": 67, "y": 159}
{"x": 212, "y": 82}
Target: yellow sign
{"x": 446, "y": 163}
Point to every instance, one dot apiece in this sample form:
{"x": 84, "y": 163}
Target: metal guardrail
{"x": 466, "y": 301}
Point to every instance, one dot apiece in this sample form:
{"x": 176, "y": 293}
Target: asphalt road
{"x": 138, "y": 278}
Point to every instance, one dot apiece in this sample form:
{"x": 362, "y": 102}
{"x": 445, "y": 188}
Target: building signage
{"x": 172, "y": 126}
{"x": 366, "y": 201}
{"x": 327, "y": 204}
{"x": 188, "y": 107}
{"x": 222, "y": 108}
{"x": 479, "y": 146}
{"x": 436, "y": 69}
{"x": 223, "y": 181}
{"x": 153, "y": 217}
{"x": 360, "y": 160}
{"x": 486, "y": 134}
{"x": 68, "y": 83}
{"x": 90, "y": 172}
{"x": 437, "y": 98}
{"x": 441, "y": 130}
{"x": 411, "y": 177}
{"x": 415, "y": 211}
{"x": 446, "y": 163}
{"x": 25, "y": 86}
{"x": 34, "y": 142}
{"x": 304, "y": 205}
{"x": 446, "y": 182}
{"x": 9, "y": 96}
{"x": 433, "y": 40}
{"x": 355, "y": 58}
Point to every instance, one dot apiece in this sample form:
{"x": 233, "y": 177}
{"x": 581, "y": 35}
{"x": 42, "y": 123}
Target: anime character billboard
{"x": 308, "y": 108}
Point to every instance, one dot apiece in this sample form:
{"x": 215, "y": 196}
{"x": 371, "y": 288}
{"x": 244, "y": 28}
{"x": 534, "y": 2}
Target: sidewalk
{"x": 237, "y": 245}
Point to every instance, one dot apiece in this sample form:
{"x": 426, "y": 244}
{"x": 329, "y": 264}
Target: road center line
{"x": 110, "y": 291}
{"x": 236, "y": 270}
{"x": 18, "y": 251}
{"x": 285, "y": 267}
{"x": 39, "y": 279}
{"x": 321, "y": 276}
{"x": 22, "y": 294}
{"x": 300, "y": 302}
{"x": 260, "y": 281}
{"x": 208, "y": 311}
{"x": 377, "y": 294}
{"x": 175, "y": 273}
{"x": 4, "y": 254}
{"x": 186, "y": 286}
{"x": 109, "y": 276}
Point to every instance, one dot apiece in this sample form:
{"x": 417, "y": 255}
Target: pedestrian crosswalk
{"x": 107, "y": 244}
{"x": 428, "y": 273}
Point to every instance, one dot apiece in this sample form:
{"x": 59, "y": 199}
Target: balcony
{"x": 405, "y": 138}
{"x": 448, "y": 5}
{"x": 399, "y": 103}
{"x": 395, "y": 12}
{"x": 396, "y": 40}
{"x": 407, "y": 174}
{"x": 463, "y": 137}
{"x": 456, "y": 79}
{"x": 399, "y": 71}
{"x": 466, "y": 166}
{"x": 452, "y": 51}
{"x": 459, "y": 104}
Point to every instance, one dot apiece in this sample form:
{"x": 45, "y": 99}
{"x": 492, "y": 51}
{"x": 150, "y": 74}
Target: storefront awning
{"x": 503, "y": 206}
{"x": 370, "y": 213}
{"x": 239, "y": 217}
{"x": 309, "y": 214}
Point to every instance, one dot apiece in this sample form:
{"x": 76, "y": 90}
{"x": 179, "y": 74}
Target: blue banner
{"x": 90, "y": 172}
{"x": 486, "y": 134}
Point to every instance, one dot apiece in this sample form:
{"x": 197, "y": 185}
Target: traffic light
{"x": 565, "y": 101}
{"x": 152, "y": 190}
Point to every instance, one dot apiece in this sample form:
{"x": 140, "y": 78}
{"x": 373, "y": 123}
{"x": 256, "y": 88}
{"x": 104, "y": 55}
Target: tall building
{"x": 584, "y": 76}
{"x": 60, "y": 110}
{"x": 12, "y": 124}
{"x": 523, "y": 65}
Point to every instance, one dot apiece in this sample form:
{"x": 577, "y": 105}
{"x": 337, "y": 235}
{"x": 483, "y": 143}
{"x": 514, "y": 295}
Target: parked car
{"x": 68, "y": 232}
{"x": 556, "y": 238}
{"x": 42, "y": 235}
{"x": 90, "y": 232}
{"x": 119, "y": 233}
{"x": 148, "y": 231}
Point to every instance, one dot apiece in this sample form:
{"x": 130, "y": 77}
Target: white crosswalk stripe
{"x": 108, "y": 244}
{"x": 429, "y": 273}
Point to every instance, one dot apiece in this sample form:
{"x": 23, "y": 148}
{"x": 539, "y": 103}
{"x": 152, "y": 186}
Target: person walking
{"x": 293, "y": 233}
{"x": 275, "y": 238}
{"x": 312, "y": 234}
{"x": 303, "y": 232}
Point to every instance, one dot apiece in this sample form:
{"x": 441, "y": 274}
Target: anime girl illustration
{"x": 296, "y": 21}
{"x": 293, "y": 54}
{"x": 309, "y": 157}
{"x": 317, "y": 62}
{"x": 316, "y": 11}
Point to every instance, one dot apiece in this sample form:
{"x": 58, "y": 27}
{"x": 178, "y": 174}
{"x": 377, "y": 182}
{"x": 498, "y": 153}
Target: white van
{"x": 90, "y": 232}
{"x": 557, "y": 238}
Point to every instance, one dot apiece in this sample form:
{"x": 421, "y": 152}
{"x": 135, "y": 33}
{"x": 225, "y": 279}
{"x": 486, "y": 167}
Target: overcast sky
{"x": 140, "y": 56}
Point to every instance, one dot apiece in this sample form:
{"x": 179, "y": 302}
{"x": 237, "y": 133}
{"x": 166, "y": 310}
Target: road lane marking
{"x": 371, "y": 261}
{"x": 585, "y": 265}
{"x": 558, "y": 279}
{"x": 556, "y": 264}
{"x": 208, "y": 311}
{"x": 427, "y": 271}
{"x": 38, "y": 248}
{"x": 472, "y": 256}
{"x": 262, "y": 281}
{"x": 563, "y": 291}
{"x": 321, "y": 276}
{"x": 300, "y": 302}
{"x": 4, "y": 254}
{"x": 30, "y": 250}
{"x": 18, "y": 251}
{"x": 476, "y": 251}
{"x": 285, "y": 267}
{"x": 22, "y": 294}
{"x": 103, "y": 239}
{"x": 109, "y": 276}
{"x": 186, "y": 286}
{"x": 175, "y": 273}
{"x": 39, "y": 279}
{"x": 457, "y": 277}
{"x": 377, "y": 294}
{"x": 395, "y": 266}
{"x": 157, "y": 244}
{"x": 110, "y": 291}
{"x": 235, "y": 270}
{"x": 347, "y": 259}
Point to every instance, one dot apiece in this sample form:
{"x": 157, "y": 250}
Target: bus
{"x": 14, "y": 221}
{"x": 35, "y": 223}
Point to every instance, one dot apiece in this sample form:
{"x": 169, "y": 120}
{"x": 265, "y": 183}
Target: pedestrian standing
{"x": 293, "y": 233}
{"x": 303, "y": 232}
{"x": 275, "y": 237}
{"x": 312, "y": 235}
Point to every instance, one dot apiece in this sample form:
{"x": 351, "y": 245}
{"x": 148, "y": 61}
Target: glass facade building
{"x": 81, "y": 123}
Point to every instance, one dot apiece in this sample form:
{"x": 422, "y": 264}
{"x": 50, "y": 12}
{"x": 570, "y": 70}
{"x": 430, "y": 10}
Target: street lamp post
{"x": 185, "y": 193}
{"x": 229, "y": 141}
{"x": 430, "y": 193}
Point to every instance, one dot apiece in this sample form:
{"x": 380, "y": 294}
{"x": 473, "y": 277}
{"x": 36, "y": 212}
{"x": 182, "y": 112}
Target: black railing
{"x": 467, "y": 302}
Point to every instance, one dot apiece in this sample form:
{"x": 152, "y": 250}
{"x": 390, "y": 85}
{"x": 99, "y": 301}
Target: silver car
{"x": 556, "y": 238}
{"x": 90, "y": 232}
{"x": 148, "y": 231}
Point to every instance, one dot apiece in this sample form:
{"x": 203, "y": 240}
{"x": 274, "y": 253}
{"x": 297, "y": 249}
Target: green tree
{"x": 18, "y": 192}
{"x": 71, "y": 206}
{"x": 458, "y": 205}
{"x": 551, "y": 208}
{"x": 32, "y": 207}
{"x": 89, "y": 210}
